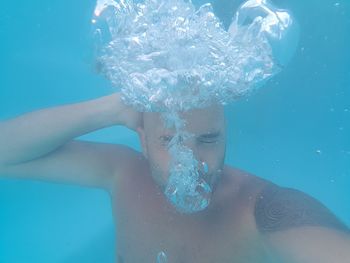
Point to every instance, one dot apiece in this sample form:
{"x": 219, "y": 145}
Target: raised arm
{"x": 40, "y": 145}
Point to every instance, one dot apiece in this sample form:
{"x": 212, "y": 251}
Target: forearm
{"x": 35, "y": 134}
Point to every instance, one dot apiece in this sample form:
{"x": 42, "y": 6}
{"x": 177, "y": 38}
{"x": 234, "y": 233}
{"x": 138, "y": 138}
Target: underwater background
{"x": 295, "y": 131}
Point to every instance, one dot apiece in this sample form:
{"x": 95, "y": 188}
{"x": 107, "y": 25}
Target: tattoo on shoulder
{"x": 280, "y": 208}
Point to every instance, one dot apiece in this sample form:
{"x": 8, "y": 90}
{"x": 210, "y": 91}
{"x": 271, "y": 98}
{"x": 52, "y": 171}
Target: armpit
{"x": 279, "y": 209}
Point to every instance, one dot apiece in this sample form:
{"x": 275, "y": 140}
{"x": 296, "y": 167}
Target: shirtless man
{"x": 249, "y": 220}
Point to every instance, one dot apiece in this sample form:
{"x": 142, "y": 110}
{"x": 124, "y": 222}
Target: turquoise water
{"x": 294, "y": 131}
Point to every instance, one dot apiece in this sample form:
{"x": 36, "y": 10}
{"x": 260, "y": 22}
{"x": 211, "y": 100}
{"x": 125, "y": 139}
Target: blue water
{"x": 295, "y": 131}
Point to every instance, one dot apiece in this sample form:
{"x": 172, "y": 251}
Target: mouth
{"x": 188, "y": 194}
{"x": 189, "y": 203}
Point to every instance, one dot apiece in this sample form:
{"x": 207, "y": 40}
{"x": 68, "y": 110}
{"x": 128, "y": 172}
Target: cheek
{"x": 158, "y": 156}
{"x": 213, "y": 155}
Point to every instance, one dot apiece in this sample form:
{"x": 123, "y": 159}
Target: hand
{"x": 121, "y": 114}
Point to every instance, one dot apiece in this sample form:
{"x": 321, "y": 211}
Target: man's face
{"x": 208, "y": 142}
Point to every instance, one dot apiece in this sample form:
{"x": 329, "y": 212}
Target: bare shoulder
{"x": 241, "y": 188}
{"x": 126, "y": 161}
{"x": 279, "y": 208}
{"x": 131, "y": 164}
{"x": 248, "y": 183}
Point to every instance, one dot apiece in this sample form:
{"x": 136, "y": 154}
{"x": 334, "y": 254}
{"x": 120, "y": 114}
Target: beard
{"x": 187, "y": 195}
{"x": 161, "y": 178}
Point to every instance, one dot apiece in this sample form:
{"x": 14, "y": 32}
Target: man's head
{"x": 208, "y": 142}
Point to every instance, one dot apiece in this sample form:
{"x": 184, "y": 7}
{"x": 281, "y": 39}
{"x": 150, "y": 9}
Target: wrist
{"x": 110, "y": 109}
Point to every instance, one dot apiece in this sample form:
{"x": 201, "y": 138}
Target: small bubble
{"x": 337, "y": 4}
{"x": 318, "y": 151}
{"x": 205, "y": 167}
{"x": 161, "y": 257}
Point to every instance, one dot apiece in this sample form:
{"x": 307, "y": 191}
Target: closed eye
{"x": 212, "y": 140}
{"x": 166, "y": 138}
{"x": 209, "y": 138}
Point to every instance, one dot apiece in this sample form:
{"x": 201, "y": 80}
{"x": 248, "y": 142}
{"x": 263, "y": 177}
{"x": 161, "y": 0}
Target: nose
{"x": 191, "y": 144}
{"x": 202, "y": 164}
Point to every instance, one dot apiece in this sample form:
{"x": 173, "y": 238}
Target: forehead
{"x": 197, "y": 121}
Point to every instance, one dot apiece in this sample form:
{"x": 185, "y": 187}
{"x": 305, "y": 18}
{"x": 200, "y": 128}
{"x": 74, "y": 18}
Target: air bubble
{"x": 259, "y": 42}
{"x": 162, "y": 258}
{"x": 205, "y": 167}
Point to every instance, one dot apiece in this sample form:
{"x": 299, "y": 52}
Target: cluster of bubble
{"x": 186, "y": 189}
{"x": 166, "y": 56}
{"x": 162, "y": 257}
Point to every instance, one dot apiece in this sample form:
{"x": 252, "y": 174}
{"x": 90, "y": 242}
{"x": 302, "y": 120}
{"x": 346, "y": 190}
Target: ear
{"x": 142, "y": 136}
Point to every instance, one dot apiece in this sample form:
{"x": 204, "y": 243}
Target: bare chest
{"x": 145, "y": 228}
{"x": 143, "y": 242}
